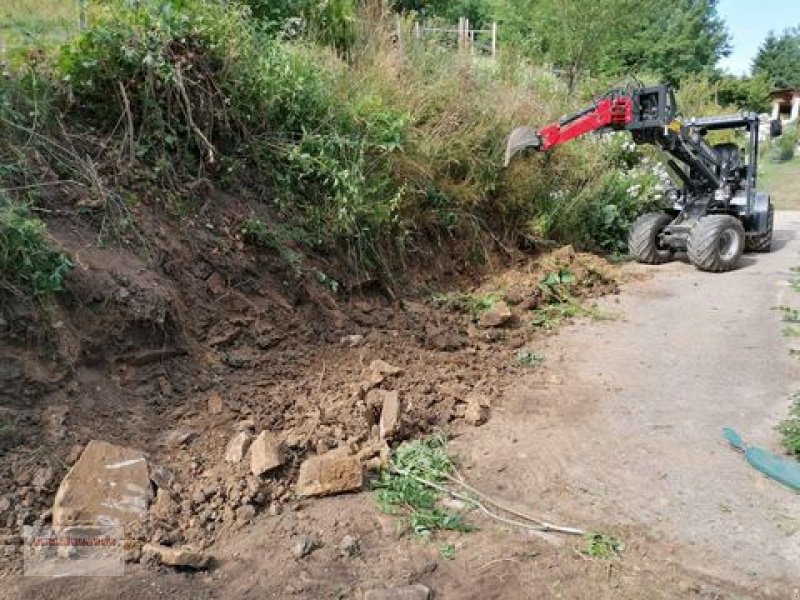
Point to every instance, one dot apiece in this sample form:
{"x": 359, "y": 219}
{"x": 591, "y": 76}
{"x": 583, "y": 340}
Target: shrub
{"x": 783, "y": 148}
{"x": 27, "y": 263}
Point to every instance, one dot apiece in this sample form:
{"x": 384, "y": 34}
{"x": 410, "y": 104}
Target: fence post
{"x": 417, "y": 30}
{"x": 460, "y": 33}
{"x": 82, "y": 14}
{"x": 494, "y": 39}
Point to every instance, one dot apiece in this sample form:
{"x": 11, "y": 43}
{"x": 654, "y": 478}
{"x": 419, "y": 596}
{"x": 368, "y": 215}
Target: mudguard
{"x": 758, "y": 223}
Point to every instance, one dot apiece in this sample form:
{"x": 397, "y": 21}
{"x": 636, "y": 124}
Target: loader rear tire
{"x": 643, "y": 241}
{"x": 716, "y": 243}
{"x": 763, "y": 242}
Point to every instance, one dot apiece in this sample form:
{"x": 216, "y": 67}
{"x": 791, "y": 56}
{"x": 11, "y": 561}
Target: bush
{"x": 400, "y": 144}
{"x": 783, "y": 148}
{"x": 27, "y": 264}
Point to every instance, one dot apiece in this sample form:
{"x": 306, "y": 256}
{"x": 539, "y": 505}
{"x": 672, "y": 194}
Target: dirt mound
{"x": 173, "y": 345}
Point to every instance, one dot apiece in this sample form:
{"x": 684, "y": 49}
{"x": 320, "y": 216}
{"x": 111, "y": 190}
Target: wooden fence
{"x": 482, "y": 41}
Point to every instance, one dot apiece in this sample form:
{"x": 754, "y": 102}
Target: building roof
{"x": 784, "y": 94}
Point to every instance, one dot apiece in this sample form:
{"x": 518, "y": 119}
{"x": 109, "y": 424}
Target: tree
{"x": 676, "y": 39}
{"x": 778, "y": 59}
{"x": 745, "y": 93}
{"x": 618, "y": 37}
{"x": 477, "y": 11}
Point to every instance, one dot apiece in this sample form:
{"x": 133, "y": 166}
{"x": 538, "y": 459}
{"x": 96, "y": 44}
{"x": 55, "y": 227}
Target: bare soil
{"x": 618, "y": 432}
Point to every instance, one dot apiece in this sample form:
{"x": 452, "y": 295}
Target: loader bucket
{"x": 521, "y": 139}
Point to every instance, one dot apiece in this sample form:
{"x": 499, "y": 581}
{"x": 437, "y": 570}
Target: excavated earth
{"x": 175, "y": 336}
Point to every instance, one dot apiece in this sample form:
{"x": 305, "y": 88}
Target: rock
{"x": 390, "y": 415}
{"x": 350, "y": 546}
{"x": 183, "y": 556}
{"x": 405, "y": 592}
{"x": 497, "y": 316}
{"x": 265, "y": 454}
{"x": 215, "y": 403}
{"x": 477, "y": 410}
{"x": 303, "y": 547}
{"x": 246, "y": 425}
{"x": 245, "y": 512}
{"x": 109, "y": 484}
{"x": 329, "y": 474}
{"x": 237, "y": 447}
{"x": 377, "y": 372}
{"x": 216, "y": 284}
{"x": 352, "y": 340}
{"x": 178, "y": 437}
{"x": 42, "y": 478}
{"x": 162, "y": 477}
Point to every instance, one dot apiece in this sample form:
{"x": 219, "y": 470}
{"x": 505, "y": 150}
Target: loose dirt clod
{"x": 497, "y": 316}
{"x": 178, "y": 557}
{"x": 237, "y": 447}
{"x": 265, "y": 454}
{"x": 389, "y": 422}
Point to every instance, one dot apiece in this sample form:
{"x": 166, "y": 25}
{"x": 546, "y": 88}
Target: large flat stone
{"x": 109, "y": 485}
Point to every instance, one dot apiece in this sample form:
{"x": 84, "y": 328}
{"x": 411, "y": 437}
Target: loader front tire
{"x": 716, "y": 243}
{"x": 643, "y": 241}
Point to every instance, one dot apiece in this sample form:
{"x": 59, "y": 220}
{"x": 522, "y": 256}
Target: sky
{"x": 748, "y": 22}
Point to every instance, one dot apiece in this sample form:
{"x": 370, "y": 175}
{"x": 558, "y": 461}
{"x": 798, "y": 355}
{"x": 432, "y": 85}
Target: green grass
{"x": 26, "y": 23}
{"x": 782, "y": 181}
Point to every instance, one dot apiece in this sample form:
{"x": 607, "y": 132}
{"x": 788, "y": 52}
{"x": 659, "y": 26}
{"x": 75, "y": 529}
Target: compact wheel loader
{"x": 714, "y": 211}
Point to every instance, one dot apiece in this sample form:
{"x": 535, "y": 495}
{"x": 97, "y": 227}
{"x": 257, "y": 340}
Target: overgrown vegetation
{"x": 28, "y": 264}
{"x": 362, "y": 141}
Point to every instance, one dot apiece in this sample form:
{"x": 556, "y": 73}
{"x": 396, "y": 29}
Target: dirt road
{"x": 629, "y": 432}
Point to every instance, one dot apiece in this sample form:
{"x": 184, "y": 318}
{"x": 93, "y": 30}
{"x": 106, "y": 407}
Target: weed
{"x": 473, "y": 304}
{"x": 791, "y": 331}
{"x": 257, "y": 233}
{"x": 328, "y": 281}
{"x": 551, "y": 315}
{"x": 789, "y": 315}
{"x": 528, "y": 358}
{"x": 600, "y": 545}
{"x": 399, "y": 491}
{"x": 448, "y": 550}
{"x": 789, "y": 428}
{"x": 27, "y": 263}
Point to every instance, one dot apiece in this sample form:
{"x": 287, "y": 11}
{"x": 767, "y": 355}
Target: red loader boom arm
{"x": 611, "y": 112}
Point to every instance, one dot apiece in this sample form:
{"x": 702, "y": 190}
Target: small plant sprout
{"x": 528, "y": 358}
{"x": 600, "y": 545}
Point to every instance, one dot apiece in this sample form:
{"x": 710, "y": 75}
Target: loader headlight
{"x": 673, "y": 196}
{"x": 721, "y": 195}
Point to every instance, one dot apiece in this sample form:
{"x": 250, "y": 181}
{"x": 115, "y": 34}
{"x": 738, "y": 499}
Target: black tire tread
{"x": 703, "y": 245}
{"x": 641, "y": 240}
{"x": 763, "y": 242}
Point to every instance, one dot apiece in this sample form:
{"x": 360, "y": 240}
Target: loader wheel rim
{"x": 728, "y": 244}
